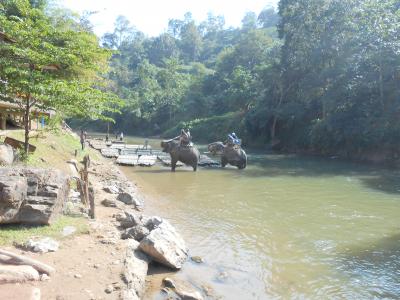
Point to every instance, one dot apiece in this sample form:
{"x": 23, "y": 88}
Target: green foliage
{"x": 11, "y": 234}
{"x": 320, "y": 76}
{"x": 52, "y": 63}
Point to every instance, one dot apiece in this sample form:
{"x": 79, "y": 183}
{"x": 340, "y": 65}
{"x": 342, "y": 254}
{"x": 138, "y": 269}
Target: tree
{"x": 268, "y": 17}
{"x": 51, "y": 67}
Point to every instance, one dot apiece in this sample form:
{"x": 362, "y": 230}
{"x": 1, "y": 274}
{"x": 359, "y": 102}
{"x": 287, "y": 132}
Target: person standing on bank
{"x": 83, "y": 139}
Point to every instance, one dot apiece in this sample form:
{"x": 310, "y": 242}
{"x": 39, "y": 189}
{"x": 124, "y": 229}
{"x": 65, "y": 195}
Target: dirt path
{"x": 86, "y": 265}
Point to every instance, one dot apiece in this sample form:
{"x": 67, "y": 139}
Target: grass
{"x": 18, "y": 234}
{"x": 53, "y": 148}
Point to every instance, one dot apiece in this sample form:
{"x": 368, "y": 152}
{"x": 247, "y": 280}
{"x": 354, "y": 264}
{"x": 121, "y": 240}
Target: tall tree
{"x": 49, "y": 67}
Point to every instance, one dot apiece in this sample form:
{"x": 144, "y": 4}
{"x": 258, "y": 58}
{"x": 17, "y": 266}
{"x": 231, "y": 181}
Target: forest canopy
{"x": 313, "y": 75}
{"x": 319, "y": 76}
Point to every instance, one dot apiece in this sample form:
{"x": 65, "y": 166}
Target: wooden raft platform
{"x": 166, "y": 160}
{"x": 136, "y": 160}
{"x": 206, "y": 161}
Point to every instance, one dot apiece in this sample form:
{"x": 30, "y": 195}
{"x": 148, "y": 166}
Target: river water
{"x": 286, "y": 227}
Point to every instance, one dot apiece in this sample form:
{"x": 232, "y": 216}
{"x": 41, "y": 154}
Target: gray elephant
{"x": 233, "y": 155}
{"x": 189, "y": 155}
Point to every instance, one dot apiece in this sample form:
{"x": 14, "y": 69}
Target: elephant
{"x": 233, "y": 155}
{"x": 189, "y": 155}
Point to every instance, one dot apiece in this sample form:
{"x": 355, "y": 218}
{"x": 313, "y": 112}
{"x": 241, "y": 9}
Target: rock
{"x": 78, "y": 276}
{"x": 135, "y": 271}
{"x": 43, "y": 245}
{"x": 182, "y": 289}
{"x": 13, "y": 191}
{"x": 112, "y": 189}
{"x": 6, "y": 155}
{"x": 68, "y": 230}
{"x": 222, "y": 276}
{"x": 208, "y": 290}
{"x": 129, "y": 219}
{"x": 168, "y": 282}
{"x": 197, "y": 259}
{"x": 44, "y": 277}
{"x": 165, "y": 246}
{"x": 43, "y": 193}
{"x": 152, "y": 222}
{"x": 129, "y": 199}
{"x": 137, "y": 232}
{"x": 14, "y": 274}
{"x": 96, "y": 266}
{"x": 109, "y": 203}
{"x": 109, "y": 289}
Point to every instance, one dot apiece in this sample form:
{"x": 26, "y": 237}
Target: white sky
{"x": 151, "y": 16}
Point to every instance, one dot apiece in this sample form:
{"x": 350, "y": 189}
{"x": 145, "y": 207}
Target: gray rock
{"x": 32, "y": 196}
{"x": 137, "y": 232}
{"x": 135, "y": 271}
{"x": 182, "y": 289}
{"x": 197, "y": 259}
{"x": 165, "y": 246}
{"x": 109, "y": 203}
{"x": 129, "y": 219}
{"x": 68, "y": 230}
{"x": 43, "y": 245}
{"x": 109, "y": 289}
{"x": 152, "y": 222}
{"x": 129, "y": 199}
{"x": 13, "y": 192}
{"x": 6, "y": 155}
{"x": 112, "y": 189}
{"x": 168, "y": 282}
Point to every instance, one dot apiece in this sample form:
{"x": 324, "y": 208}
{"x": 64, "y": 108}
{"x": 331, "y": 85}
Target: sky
{"x": 151, "y": 16}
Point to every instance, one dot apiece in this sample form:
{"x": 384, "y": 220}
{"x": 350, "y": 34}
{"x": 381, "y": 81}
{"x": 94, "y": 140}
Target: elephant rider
{"x": 233, "y": 140}
{"x": 184, "y": 138}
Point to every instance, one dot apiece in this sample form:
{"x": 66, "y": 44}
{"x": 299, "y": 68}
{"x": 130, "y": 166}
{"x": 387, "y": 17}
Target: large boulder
{"x": 129, "y": 199}
{"x": 32, "y": 196}
{"x": 165, "y": 246}
{"x": 6, "y": 155}
{"x": 135, "y": 271}
{"x": 13, "y": 191}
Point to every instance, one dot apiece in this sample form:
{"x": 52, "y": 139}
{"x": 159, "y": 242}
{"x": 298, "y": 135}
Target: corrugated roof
{"x": 15, "y": 106}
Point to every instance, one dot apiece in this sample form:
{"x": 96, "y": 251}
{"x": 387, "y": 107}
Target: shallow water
{"x": 285, "y": 227}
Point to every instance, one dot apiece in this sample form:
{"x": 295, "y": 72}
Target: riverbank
{"x": 94, "y": 262}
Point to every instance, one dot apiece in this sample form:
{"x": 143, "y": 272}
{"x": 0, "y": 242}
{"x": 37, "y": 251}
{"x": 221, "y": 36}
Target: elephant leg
{"x": 224, "y": 162}
{"x": 173, "y": 165}
{"x": 194, "y": 168}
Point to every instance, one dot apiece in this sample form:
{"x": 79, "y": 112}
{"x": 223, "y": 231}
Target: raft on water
{"x": 136, "y": 160}
{"x": 206, "y": 161}
{"x": 109, "y": 152}
{"x": 166, "y": 160}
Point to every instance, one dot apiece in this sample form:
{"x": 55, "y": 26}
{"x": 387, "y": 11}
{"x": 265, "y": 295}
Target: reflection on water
{"x": 285, "y": 227}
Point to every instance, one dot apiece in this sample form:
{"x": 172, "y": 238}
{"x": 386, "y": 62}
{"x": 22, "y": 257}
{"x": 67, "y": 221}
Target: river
{"x": 286, "y": 227}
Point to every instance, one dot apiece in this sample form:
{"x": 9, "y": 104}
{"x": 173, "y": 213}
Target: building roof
{"x": 16, "y": 107}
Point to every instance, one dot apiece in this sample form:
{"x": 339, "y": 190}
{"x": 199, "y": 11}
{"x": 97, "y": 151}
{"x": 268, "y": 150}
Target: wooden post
{"x": 88, "y": 191}
{"x": 92, "y": 213}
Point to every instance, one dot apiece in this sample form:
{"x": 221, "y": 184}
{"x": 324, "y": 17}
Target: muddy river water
{"x": 286, "y": 227}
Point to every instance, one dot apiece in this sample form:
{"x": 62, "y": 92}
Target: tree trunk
{"x": 26, "y": 124}
{"x": 381, "y": 82}
{"x": 273, "y": 129}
